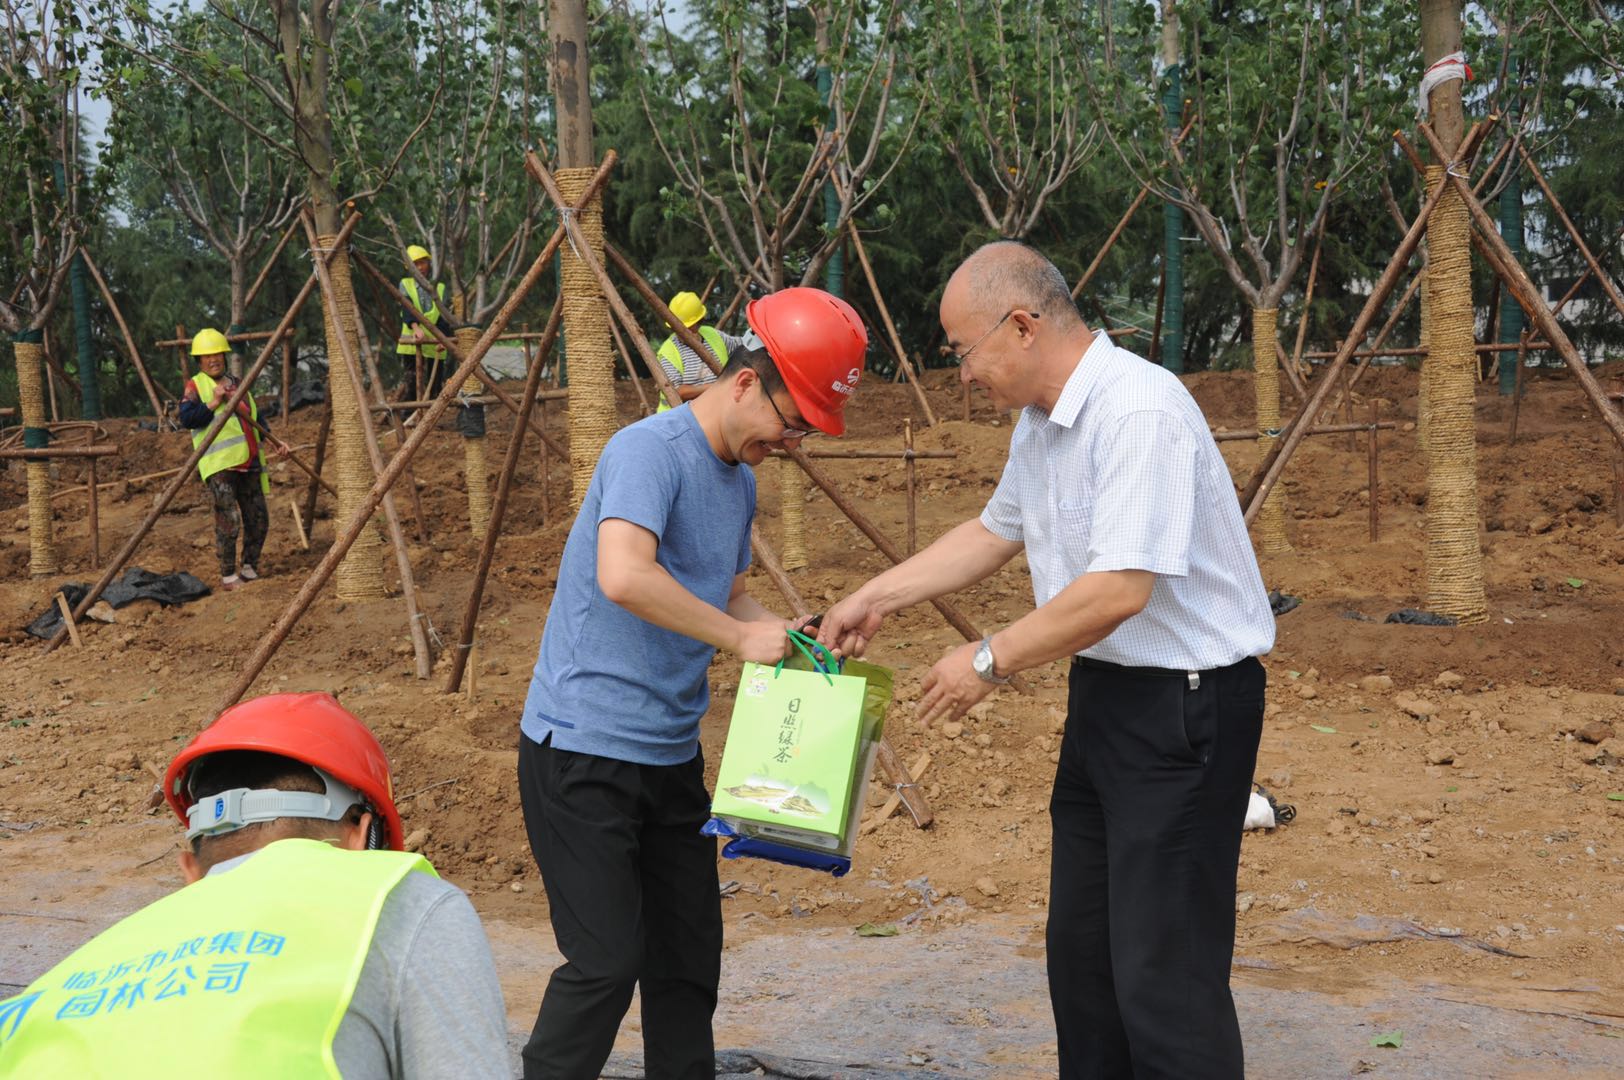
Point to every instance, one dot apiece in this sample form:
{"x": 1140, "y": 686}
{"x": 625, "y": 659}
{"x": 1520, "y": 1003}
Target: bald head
{"x": 1008, "y": 274}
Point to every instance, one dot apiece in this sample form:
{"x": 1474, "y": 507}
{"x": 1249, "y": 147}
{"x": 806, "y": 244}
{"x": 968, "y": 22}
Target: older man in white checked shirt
{"x": 1144, "y": 577}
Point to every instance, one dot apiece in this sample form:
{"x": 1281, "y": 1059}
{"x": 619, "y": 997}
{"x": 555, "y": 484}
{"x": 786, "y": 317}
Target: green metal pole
{"x": 1172, "y": 243}
{"x": 1511, "y": 231}
{"x": 89, "y": 388}
{"x": 834, "y": 271}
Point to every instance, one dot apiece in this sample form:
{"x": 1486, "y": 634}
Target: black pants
{"x": 633, "y": 891}
{"x": 1148, "y": 804}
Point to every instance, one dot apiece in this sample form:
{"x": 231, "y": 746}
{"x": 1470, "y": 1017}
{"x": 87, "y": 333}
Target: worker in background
{"x": 611, "y": 777}
{"x": 415, "y": 341}
{"x": 683, "y": 367}
{"x": 305, "y": 942}
{"x": 233, "y": 469}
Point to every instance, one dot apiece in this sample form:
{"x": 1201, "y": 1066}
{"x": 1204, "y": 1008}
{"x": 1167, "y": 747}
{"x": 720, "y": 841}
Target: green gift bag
{"x": 799, "y": 749}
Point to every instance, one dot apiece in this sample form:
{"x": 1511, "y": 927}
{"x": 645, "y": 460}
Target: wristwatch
{"x": 983, "y": 662}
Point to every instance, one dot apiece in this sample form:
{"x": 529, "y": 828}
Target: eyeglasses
{"x": 965, "y": 355}
{"x": 788, "y": 432}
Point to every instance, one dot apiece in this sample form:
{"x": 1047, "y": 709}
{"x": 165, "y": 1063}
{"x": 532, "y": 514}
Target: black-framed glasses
{"x": 788, "y": 432}
{"x": 965, "y": 355}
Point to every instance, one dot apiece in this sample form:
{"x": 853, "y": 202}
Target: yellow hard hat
{"x": 687, "y": 307}
{"x": 210, "y": 342}
{"x": 414, "y": 253}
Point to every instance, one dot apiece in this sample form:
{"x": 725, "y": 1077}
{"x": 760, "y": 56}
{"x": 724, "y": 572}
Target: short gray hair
{"x": 1007, "y": 274}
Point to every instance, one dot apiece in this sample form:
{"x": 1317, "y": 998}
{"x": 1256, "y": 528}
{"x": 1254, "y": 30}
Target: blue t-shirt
{"x": 606, "y": 682}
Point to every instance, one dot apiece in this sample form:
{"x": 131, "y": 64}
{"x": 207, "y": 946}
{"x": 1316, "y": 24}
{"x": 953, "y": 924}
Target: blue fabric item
{"x": 606, "y": 682}
{"x": 741, "y": 847}
{"x": 194, "y": 415}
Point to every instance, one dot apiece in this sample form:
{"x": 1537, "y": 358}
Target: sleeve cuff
{"x": 1013, "y": 534}
{"x": 1163, "y": 565}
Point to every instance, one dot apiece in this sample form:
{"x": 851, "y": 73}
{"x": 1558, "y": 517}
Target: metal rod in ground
{"x": 301, "y": 601}
{"x": 617, "y": 303}
{"x": 504, "y": 485}
{"x": 1274, "y": 463}
{"x": 902, "y": 781}
{"x": 440, "y": 339}
{"x": 180, "y": 478}
{"x": 325, "y": 429}
{"x": 1375, "y": 499}
{"x": 955, "y": 618}
{"x": 369, "y": 436}
{"x": 1517, "y": 389}
{"x": 1494, "y": 248}
{"x": 124, "y": 331}
{"x": 287, "y": 377}
{"x": 908, "y": 468}
{"x": 890, "y": 327}
{"x": 95, "y": 519}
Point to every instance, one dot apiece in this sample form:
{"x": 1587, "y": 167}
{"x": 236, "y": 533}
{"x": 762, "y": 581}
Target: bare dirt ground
{"x": 1452, "y": 785}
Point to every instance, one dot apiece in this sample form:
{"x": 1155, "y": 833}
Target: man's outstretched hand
{"x": 848, "y": 627}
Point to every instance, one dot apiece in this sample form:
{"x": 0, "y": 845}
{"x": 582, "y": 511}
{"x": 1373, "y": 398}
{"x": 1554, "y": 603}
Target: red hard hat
{"x": 312, "y": 728}
{"x": 817, "y": 343}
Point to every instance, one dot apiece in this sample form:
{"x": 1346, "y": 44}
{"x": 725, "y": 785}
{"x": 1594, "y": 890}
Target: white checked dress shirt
{"x": 1124, "y": 475}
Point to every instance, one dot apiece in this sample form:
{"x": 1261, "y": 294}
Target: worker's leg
{"x": 227, "y": 521}
{"x": 256, "y": 519}
{"x": 682, "y": 919}
{"x": 1092, "y": 1041}
{"x": 1173, "y": 766}
{"x": 581, "y": 814}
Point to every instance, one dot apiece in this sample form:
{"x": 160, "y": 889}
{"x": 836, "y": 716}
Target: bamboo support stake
{"x": 890, "y": 327}
{"x": 124, "y": 331}
{"x": 379, "y": 398}
{"x": 322, "y": 432}
{"x": 265, "y": 271}
{"x": 1603, "y": 278}
{"x": 182, "y": 474}
{"x": 369, "y": 435}
{"x": 1269, "y": 470}
{"x": 1527, "y": 294}
{"x": 181, "y": 350}
{"x": 298, "y": 524}
{"x": 1283, "y": 363}
{"x": 916, "y": 772}
{"x": 67, "y": 619}
{"x": 461, "y": 655}
{"x": 903, "y": 783}
{"x": 908, "y": 468}
{"x": 267, "y": 646}
{"x": 631, "y": 370}
{"x": 287, "y": 377}
{"x": 1110, "y": 241}
{"x": 684, "y": 332}
{"x": 1517, "y": 389}
{"x": 491, "y": 385}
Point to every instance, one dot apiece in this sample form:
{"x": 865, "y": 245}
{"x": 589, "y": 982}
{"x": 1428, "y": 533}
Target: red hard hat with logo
{"x": 311, "y": 728}
{"x": 817, "y": 342}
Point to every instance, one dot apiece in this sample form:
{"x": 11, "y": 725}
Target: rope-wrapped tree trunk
{"x": 30, "y": 354}
{"x": 1269, "y": 531}
{"x": 360, "y": 576}
{"x": 1454, "y": 555}
{"x": 792, "y": 512}
{"x": 592, "y": 417}
{"x": 1423, "y": 399}
{"x": 471, "y": 422}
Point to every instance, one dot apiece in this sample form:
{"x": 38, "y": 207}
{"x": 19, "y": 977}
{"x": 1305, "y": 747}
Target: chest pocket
{"x": 1073, "y": 524}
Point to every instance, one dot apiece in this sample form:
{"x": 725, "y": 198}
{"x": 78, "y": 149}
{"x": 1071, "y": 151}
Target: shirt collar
{"x": 1081, "y": 381}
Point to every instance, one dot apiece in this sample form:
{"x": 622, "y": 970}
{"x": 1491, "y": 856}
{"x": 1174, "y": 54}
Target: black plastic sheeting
{"x": 135, "y": 584}
{"x": 1280, "y": 602}
{"x": 1415, "y": 617}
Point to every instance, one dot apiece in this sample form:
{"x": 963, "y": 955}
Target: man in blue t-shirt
{"x": 611, "y": 777}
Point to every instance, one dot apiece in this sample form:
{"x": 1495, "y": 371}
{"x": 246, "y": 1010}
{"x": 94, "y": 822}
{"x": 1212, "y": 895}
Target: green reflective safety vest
{"x": 669, "y": 351}
{"x": 405, "y": 346}
{"x": 230, "y": 447}
{"x": 244, "y": 973}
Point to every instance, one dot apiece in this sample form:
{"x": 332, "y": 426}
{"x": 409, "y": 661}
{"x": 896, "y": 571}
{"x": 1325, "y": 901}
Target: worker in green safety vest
{"x": 233, "y": 467}
{"x": 306, "y": 942}
{"x": 415, "y": 341}
{"x": 683, "y": 367}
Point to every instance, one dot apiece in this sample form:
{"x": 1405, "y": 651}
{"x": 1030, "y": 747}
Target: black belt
{"x": 1193, "y": 678}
